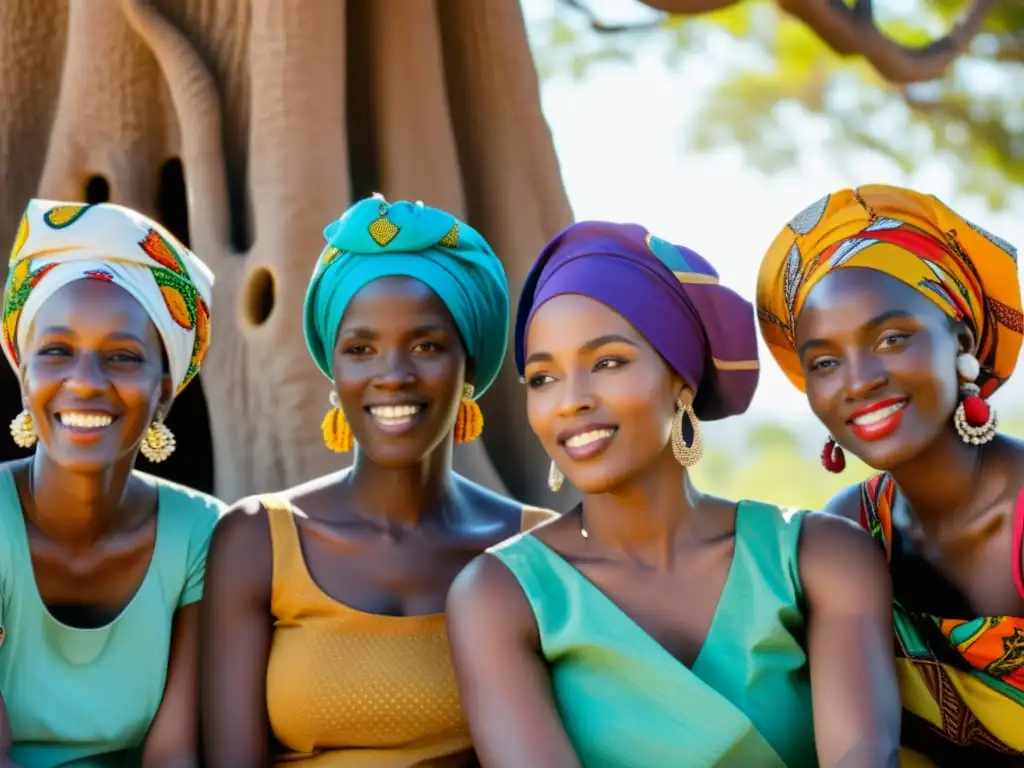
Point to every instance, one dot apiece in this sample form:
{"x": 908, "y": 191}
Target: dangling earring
{"x": 23, "y": 430}
{"x": 337, "y": 432}
{"x": 687, "y": 455}
{"x": 470, "y": 421}
{"x": 974, "y": 419}
{"x": 555, "y": 478}
{"x": 832, "y": 457}
{"x": 158, "y": 443}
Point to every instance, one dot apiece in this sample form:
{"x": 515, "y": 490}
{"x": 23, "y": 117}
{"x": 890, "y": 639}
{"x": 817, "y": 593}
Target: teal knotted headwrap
{"x": 375, "y": 239}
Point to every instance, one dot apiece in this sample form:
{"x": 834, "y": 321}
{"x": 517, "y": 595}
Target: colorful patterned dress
{"x": 961, "y": 679}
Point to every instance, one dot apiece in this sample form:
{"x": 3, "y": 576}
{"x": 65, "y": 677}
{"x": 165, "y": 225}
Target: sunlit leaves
{"x": 774, "y": 73}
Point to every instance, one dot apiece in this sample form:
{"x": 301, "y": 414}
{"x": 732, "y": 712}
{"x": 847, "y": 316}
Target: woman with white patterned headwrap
{"x": 105, "y": 320}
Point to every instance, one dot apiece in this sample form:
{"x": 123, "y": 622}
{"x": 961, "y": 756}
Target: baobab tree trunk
{"x": 281, "y": 113}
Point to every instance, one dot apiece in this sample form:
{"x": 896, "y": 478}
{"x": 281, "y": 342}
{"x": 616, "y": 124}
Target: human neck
{"x": 940, "y": 483}
{"x": 76, "y": 508}
{"x": 645, "y": 517}
{"x": 403, "y": 496}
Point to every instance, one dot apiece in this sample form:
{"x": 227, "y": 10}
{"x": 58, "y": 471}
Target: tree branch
{"x": 609, "y": 29}
{"x": 852, "y": 30}
{"x": 688, "y": 7}
{"x": 197, "y": 104}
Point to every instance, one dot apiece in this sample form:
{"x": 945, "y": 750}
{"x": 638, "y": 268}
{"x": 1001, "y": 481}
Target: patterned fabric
{"x": 967, "y": 272}
{"x": 374, "y": 239}
{"x": 58, "y": 243}
{"x": 961, "y": 680}
{"x": 669, "y": 293}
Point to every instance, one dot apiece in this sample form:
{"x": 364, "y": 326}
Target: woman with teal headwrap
{"x": 407, "y": 314}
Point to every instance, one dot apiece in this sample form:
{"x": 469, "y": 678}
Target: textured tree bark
{"x": 281, "y": 114}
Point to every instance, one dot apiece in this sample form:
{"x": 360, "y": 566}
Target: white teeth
{"x": 586, "y": 438}
{"x": 880, "y": 415}
{"x": 395, "y": 415}
{"x": 85, "y": 420}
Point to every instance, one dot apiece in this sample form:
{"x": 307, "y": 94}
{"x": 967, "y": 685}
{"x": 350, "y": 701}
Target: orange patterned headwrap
{"x": 967, "y": 272}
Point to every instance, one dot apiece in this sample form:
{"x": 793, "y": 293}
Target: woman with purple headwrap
{"x": 655, "y": 625}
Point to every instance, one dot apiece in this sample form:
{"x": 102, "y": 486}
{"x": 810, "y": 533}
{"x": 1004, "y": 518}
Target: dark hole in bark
{"x": 259, "y": 296}
{"x": 191, "y": 463}
{"x": 363, "y": 149}
{"x": 97, "y": 190}
{"x": 171, "y": 201}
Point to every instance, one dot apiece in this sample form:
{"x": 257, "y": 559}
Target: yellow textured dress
{"x": 349, "y": 689}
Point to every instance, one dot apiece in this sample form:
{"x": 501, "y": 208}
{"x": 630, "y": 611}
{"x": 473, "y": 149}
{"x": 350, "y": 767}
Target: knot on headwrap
{"x": 969, "y": 273}
{"x": 670, "y": 294}
{"x": 58, "y": 243}
{"x": 376, "y": 239}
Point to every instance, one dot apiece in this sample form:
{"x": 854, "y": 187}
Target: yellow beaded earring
{"x": 337, "y": 432}
{"x": 470, "y": 421}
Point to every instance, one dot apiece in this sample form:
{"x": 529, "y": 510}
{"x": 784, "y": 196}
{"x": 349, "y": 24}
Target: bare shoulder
{"x": 486, "y": 593}
{"x": 241, "y": 542}
{"x": 841, "y": 564}
{"x": 828, "y": 532}
{"x": 845, "y": 504}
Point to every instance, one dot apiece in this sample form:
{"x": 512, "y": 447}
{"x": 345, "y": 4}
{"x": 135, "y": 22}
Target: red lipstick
{"x": 878, "y": 420}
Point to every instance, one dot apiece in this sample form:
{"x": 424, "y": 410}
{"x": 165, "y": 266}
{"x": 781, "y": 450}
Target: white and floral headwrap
{"x": 58, "y": 243}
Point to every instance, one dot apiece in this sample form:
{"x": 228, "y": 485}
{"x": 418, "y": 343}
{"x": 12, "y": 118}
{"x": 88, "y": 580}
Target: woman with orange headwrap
{"x": 899, "y": 318}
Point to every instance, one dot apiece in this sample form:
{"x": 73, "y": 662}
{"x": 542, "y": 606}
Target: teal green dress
{"x": 86, "y": 697}
{"x": 626, "y": 702}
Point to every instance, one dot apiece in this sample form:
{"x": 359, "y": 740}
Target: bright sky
{"x": 620, "y": 140}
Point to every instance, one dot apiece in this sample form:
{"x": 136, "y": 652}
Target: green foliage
{"x": 776, "y": 72}
{"x": 775, "y": 470}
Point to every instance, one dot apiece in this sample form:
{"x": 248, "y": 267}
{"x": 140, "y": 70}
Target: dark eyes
{"x": 893, "y": 339}
{"x": 61, "y": 350}
{"x": 604, "y": 364}
{"x": 890, "y": 341}
{"x": 422, "y": 347}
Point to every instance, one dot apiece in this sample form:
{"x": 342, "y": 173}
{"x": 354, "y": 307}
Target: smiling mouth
{"x": 587, "y": 438}
{"x": 879, "y": 422}
{"x": 395, "y": 416}
{"x": 85, "y": 421}
{"x": 879, "y": 415}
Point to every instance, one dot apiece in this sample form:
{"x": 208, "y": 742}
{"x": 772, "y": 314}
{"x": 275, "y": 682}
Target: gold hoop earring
{"x": 158, "y": 443}
{"x": 555, "y": 478}
{"x": 23, "y": 430}
{"x": 687, "y": 455}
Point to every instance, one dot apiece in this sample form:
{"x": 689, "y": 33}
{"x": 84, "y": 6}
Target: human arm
{"x": 503, "y": 678}
{"x": 235, "y": 640}
{"x": 850, "y": 648}
{"x": 5, "y": 737}
{"x": 173, "y": 738}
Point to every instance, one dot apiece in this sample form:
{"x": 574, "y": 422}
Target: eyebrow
{"x": 895, "y": 314}
{"x": 63, "y": 330}
{"x": 369, "y": 333}
{"x": 590, "y": 346}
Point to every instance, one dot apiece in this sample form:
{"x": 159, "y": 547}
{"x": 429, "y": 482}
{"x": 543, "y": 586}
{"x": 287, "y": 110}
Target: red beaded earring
{"x": 832, "y": 456}
{"x": 974, "y": 419}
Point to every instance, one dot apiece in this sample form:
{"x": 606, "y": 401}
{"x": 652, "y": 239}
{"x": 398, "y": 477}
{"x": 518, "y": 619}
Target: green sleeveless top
{"x": 626, "y": 702}
{"x": 86, "y": 697}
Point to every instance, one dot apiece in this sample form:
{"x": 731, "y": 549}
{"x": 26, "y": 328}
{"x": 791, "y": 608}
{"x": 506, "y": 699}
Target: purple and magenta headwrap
{"x": 670, "y": 294}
